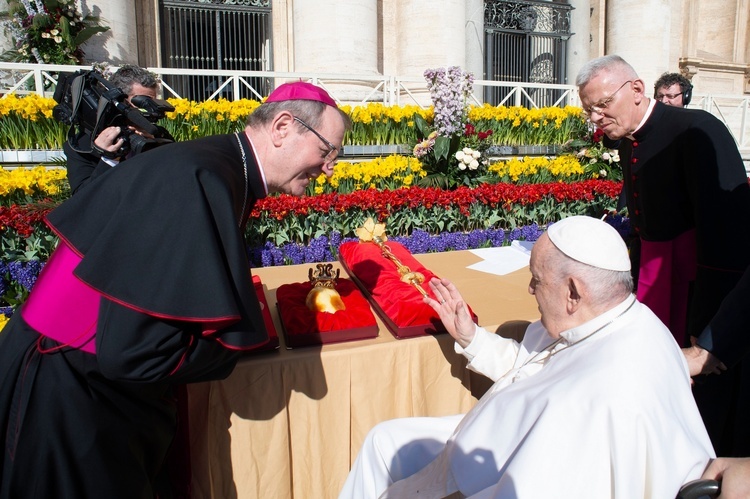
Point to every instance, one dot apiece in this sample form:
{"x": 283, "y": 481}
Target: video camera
{"x": 89, "y": 103}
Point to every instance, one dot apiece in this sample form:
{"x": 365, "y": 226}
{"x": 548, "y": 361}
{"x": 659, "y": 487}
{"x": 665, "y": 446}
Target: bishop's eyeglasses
{"x": 333, "y": 151}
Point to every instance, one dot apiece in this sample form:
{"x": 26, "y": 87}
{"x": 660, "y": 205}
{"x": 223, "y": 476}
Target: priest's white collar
{"x": 649, "y": 110}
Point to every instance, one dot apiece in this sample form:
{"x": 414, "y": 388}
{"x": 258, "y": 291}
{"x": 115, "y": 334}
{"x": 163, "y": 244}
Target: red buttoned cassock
{"x": 689, "y": 202}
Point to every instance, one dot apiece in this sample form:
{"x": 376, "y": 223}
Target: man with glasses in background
{"x": 688, "y": 200}
{"x": 673, "y": 89}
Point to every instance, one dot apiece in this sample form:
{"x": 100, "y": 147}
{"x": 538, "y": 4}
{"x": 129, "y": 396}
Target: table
{"x": 289, "y": 423}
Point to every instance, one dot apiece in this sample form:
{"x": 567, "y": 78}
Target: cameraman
{"x": 83, "y": 167}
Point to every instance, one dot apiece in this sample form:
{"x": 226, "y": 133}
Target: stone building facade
{"x": 709, "y": 41}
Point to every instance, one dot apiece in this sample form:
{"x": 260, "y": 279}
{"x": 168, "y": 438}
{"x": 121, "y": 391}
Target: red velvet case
{"x": 273, "y": 337}
{"x": 398, "y": 304}
{"x": 302, "y": 326}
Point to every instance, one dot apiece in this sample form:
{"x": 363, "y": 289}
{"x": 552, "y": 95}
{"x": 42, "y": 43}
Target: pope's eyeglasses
{"x": 333, "y": 151}
{"x": 602, "y": 104}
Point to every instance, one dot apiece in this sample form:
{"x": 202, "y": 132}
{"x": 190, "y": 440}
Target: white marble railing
{"x": 345, "y": 88}
{"x": 354, "y": 89}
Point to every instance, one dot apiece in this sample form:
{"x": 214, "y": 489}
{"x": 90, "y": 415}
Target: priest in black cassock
{"x": 148, "y": 289}
{"x": 689, "y": 201}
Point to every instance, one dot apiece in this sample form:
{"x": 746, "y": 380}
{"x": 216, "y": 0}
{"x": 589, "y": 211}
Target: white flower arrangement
{"x": 468, "y": 158}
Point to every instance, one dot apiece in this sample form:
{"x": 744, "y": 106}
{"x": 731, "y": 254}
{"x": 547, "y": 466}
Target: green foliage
{"x": 48, "y": 31}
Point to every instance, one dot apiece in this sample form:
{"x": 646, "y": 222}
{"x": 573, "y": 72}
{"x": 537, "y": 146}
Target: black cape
{"x": 161, "y": 238}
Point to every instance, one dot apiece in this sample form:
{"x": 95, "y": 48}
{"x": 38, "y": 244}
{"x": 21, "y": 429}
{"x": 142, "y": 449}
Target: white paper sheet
{"x": 503, "y": 260}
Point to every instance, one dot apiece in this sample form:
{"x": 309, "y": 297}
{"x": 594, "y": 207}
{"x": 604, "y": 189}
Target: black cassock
{"x": 683, "y": 172}
{"x": 160, "y": 238}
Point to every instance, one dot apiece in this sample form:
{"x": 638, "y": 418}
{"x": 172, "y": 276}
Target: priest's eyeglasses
{"x": 333, "y": 151}
{"x": 604, "y": 103}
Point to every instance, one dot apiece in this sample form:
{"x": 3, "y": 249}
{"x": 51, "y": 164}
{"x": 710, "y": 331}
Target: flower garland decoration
{"x": 48, "y": 31}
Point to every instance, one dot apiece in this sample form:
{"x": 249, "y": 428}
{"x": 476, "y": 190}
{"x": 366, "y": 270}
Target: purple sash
{"x": 667, "y": 268}
{"x": 62, "y": 307}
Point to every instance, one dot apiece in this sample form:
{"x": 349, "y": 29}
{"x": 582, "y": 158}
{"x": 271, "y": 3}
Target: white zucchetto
{"x": 590, "y": 241}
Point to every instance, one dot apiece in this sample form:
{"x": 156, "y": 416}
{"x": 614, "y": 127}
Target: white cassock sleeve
{"x": 489, "y": 354}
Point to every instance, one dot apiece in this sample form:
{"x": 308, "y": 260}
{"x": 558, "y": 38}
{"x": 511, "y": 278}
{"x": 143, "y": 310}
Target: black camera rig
{"x": 89, "y": 103}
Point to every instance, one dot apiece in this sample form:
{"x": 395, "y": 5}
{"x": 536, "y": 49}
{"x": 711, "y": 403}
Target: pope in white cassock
{"x": 595, "y": 402}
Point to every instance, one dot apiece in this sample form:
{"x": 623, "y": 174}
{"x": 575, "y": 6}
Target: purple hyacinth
{"x": 621, "y": 224}
{"x": 24, "y": 274}
{"x": 531, "y": 232}
{"x": 449, "y": 89}
{"x": 319, "y": 249}
{"x": 322, "y": 249}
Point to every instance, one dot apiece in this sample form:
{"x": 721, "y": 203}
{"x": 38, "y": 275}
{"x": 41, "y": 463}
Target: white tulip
{"x": 474, "y": 164}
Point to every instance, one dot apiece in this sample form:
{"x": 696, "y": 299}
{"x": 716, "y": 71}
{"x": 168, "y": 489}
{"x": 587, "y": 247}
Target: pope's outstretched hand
{"x": 452, "y": 309}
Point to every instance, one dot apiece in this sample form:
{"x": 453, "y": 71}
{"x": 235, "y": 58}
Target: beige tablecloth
{"x": 289, "y": 423}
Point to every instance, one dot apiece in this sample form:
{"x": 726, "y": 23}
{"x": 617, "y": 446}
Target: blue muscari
{"x": 14, "y": 274}
{"x": 22, "y": 273}
{"x": 324, "y": 248}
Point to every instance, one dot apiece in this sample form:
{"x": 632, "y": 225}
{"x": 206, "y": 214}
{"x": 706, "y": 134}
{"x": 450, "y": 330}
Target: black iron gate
{"x": 525, "y": 41}
{"x": 216, "y": 34}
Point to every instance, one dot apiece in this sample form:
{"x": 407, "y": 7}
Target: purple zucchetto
{"x": 300, "y": 90}
{"x": 590, "y": 241}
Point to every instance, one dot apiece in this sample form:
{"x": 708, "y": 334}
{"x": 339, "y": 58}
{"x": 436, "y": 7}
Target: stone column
{"x": 332, "y": 37}
{"x": 474, "y": 32}
{"x": 430, "y": 35}
{"x": 636, "y": 32}
{"x": 121, "y": 45}
{"x": 579, "y": 43}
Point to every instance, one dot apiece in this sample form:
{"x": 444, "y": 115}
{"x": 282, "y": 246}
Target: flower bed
{"x": 287, "y": 229}
{"x": 372, "y": 124}
{"x": 284, "y": 219}
{"x": 486, "y": 201}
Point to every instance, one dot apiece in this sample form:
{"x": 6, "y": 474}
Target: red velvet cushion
{"x": 298, "y": 319}
{"x": 400, "y": 301}
{"x": 273, "y": 337}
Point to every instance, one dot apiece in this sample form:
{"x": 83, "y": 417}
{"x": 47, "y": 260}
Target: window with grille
{"x": 526, "y": 41}
{"x": 216, "y": 34}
